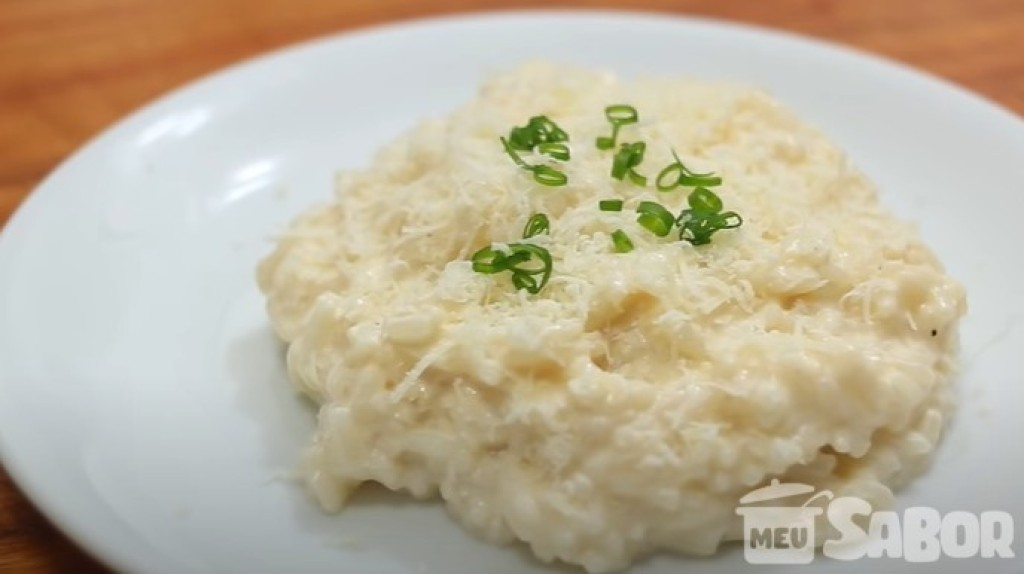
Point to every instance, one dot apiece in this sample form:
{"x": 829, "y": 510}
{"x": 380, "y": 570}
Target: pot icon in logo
{"x": 779, "y": 534}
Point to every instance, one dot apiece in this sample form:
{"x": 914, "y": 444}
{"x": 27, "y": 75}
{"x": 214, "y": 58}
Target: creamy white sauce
{"x": 629, "y": 405}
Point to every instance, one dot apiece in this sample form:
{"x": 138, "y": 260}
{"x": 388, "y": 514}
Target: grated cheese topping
{"x": 627, "y": 407}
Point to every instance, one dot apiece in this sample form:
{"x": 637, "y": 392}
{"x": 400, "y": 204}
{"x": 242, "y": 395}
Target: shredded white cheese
{"x": 628, "y": 406}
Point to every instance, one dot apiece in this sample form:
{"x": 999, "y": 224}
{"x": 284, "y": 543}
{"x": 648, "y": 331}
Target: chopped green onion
{"x": 689, "y": 171}
{"x": 523, "y": 278}
{"x": 621, "y": 114}
{"x": 610, "y": 205}
{"x": 556, "y": 150}
{"x": 538, "y": 130}
{"x": 542, "y": 174}
{"x": 521, "y": 281}
{"x": 654, "y": 224}
{"x": 731, "y": 220}
{"x": 704, "y": 181}
{"x": 621, "y": 241}
{"x": 698, "y": 227}
{"x": 515, "y": 259}
{"x": 549, "y": 131}
{"x": 618, "y": 115}
{"x": 510, "y": 150}
{"x": 655, "y": 218}
{"x": 545, "y": 135}
{"x": 545, "y": 175}
{"x": 537, "y": 224}
{"x": 704, "y": 217}
{"x": 677, "y": 174}
{"x": 703, "y": 199}
{"x": 490, "y": 261}
{"x": 520, "y": 139}
{"x": 487, "y": 260}
{"x": 628, "y": 157}
{"x": 668, "y": 178}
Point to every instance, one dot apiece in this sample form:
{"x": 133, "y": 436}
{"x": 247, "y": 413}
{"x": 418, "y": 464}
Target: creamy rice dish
{"x": 619, "y": 397}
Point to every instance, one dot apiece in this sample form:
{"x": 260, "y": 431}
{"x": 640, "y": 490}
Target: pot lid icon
{"x": 776, "y": 490}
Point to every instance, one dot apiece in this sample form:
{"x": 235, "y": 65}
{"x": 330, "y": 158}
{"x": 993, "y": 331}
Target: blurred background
{"x": 70, "y": 68}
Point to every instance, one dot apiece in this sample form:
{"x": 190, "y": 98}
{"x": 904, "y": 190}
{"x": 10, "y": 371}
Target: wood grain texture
{"x": 69, "y": 68}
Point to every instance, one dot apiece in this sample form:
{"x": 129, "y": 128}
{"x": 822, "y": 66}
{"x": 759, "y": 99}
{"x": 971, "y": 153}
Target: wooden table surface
{"x": 69, "y": 68}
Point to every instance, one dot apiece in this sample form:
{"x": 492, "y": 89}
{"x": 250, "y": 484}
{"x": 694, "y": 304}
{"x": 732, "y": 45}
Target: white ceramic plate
{"x": 143, "y": 402}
